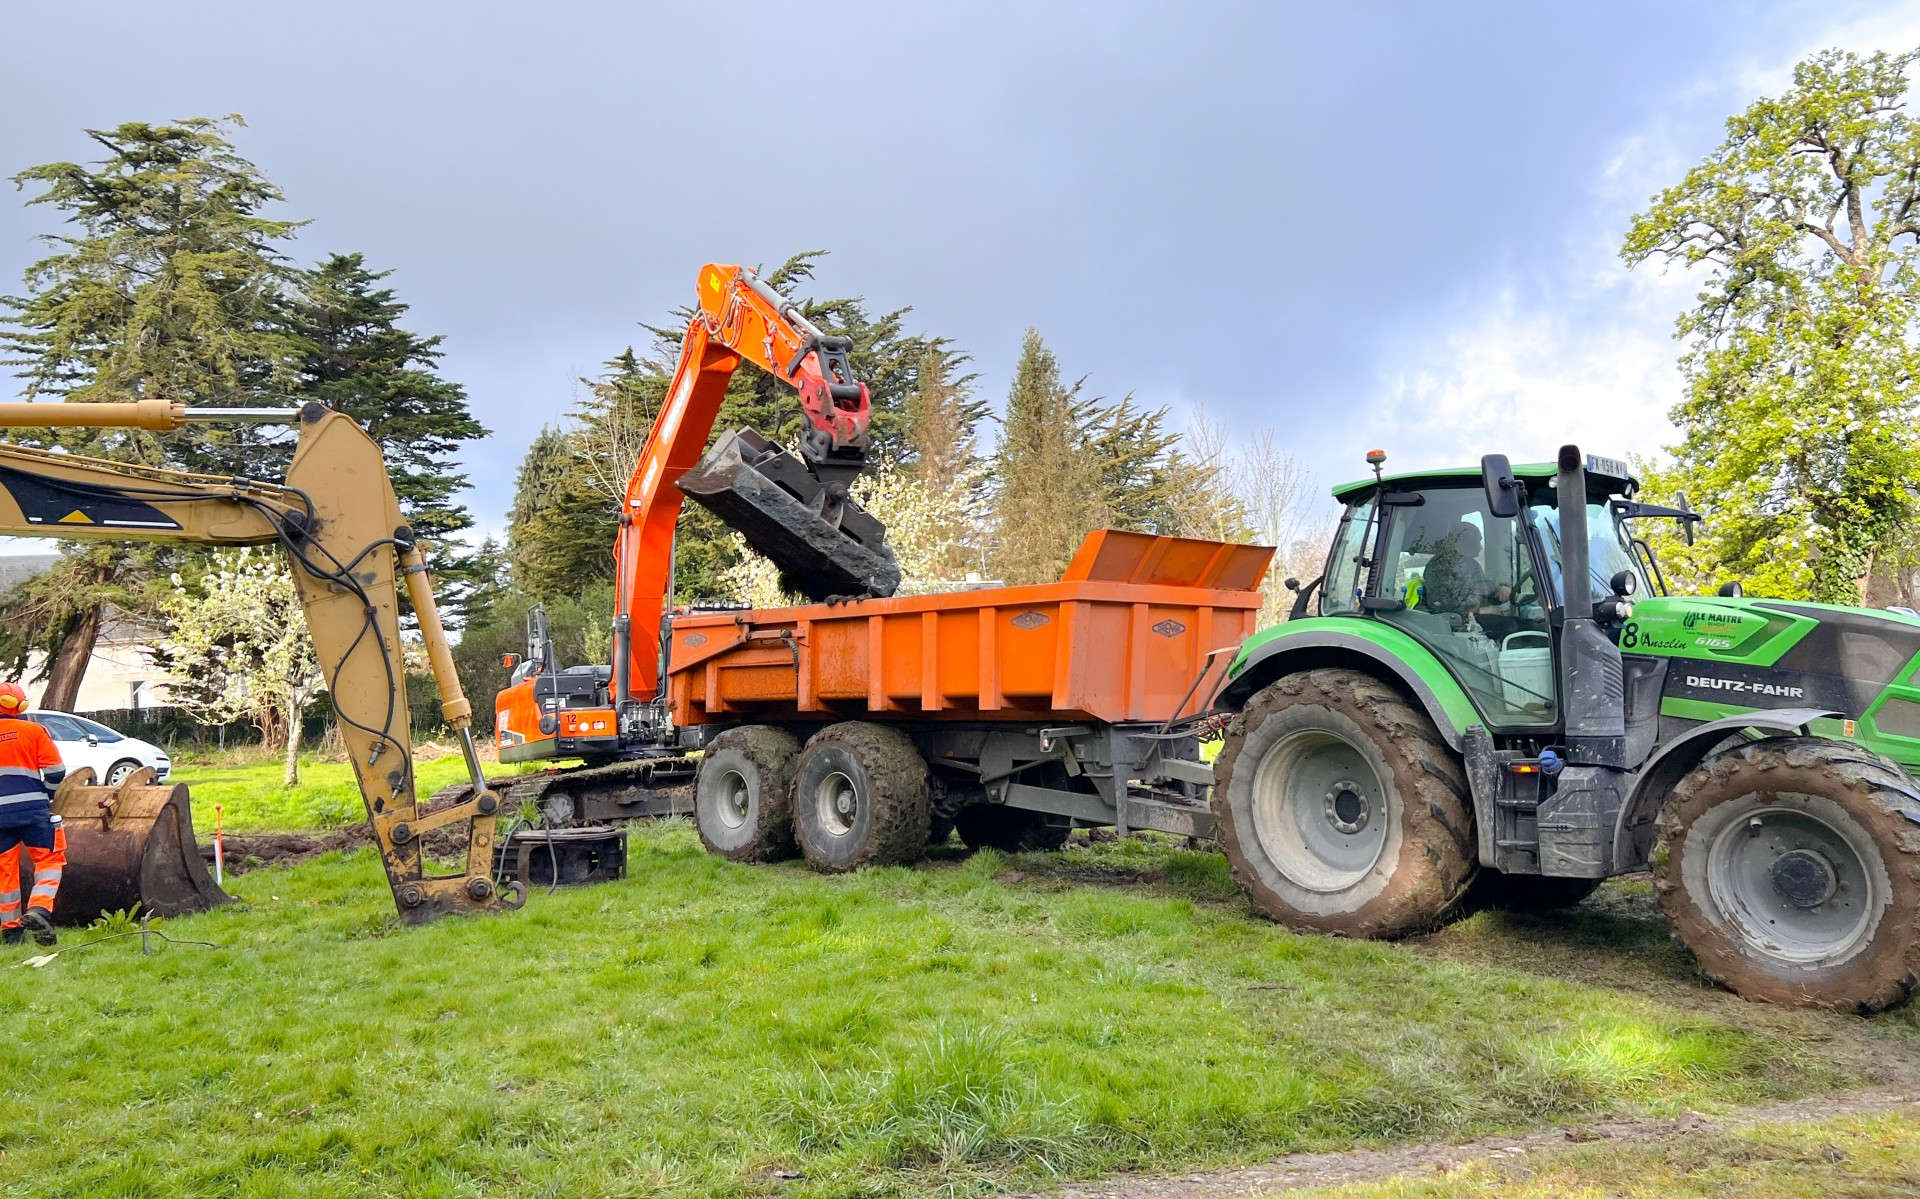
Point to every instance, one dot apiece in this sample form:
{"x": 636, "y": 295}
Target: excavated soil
{"x": 252, "y": 851}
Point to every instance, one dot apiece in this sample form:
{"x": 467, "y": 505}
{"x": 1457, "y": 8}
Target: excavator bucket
{"x": 127, "y": 845}
{"x": 825, "y": 545}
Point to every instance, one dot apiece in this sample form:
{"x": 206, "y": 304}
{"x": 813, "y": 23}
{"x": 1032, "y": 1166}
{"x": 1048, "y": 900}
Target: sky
{"x": 1360, "y": 225}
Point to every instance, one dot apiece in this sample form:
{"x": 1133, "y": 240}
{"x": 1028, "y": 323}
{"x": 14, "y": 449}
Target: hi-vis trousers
{"x": 49, "y": 861}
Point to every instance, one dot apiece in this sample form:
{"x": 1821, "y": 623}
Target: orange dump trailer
{"x": 1124, "y": 636}
{"x": 1012, "y": 712}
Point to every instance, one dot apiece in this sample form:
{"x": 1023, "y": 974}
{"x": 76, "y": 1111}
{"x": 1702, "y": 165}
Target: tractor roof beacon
{"x": 1490, "y": 696}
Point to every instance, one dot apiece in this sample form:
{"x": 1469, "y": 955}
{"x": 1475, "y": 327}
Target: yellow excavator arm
{"x": 338, "y": 521}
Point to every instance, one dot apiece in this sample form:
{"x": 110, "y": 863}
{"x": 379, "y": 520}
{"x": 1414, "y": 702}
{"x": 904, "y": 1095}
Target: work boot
{"x": 13, "y": 934}
{"x": 41, "y": 925}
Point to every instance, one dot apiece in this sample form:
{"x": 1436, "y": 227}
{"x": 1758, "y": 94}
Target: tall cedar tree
{"x": 611, "y": 424}
{"x": 355, "y": 358}
{"x": 1047, "y": 486}
{"x": 1068, "y": 464}
{"x": 1798, "y": 421}
{"x": 560, "y": 529}
{"x": 165, "y": 287}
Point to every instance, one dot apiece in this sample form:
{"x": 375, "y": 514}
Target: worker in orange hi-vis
{"x": 30, "y": 768}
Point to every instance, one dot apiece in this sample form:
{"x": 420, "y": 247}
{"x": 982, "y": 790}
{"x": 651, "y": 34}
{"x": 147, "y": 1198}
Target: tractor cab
{"x": 1468, "y": 564}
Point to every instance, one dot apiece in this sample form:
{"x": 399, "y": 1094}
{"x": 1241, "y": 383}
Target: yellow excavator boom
{"x": 338, "y": 521}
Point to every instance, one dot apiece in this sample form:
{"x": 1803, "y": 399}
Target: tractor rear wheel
{"x": 1792, "y": 872}
{"x": 1011, "y": 830}
{"x": 742, "y": 797}
{"x": 1341, "y": 810}
{"x": 860, "y": 798}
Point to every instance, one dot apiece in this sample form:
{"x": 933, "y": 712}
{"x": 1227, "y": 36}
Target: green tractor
{"x": 1471, "y": 706}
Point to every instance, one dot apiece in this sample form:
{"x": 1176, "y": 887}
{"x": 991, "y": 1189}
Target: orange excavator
{"x": 794, "y": 510}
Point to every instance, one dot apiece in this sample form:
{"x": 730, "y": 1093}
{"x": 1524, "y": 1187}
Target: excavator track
{"x": 640, "y": 789}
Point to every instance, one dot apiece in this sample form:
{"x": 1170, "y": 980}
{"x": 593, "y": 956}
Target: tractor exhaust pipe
{"x": 1592, "y": 677}
{"x": 1577, "y": 821}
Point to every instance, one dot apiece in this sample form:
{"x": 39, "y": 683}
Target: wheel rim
{"x": 1792, "y": 884}
{"x": 836, "y": 802}
{"x": 118, "y": 775}
{"x": 1319, "y": 810}
{"x": 735, "y": 800}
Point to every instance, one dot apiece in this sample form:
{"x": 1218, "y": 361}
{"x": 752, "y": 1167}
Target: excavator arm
{"x": 338, "y": 521}
{"x": 795, "y": 512}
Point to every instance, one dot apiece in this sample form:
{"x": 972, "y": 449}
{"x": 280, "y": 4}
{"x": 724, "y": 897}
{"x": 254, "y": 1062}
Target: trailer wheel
{"x": 742, "y": 796}
{"x": 1528, "y": 892}
{"x": 1792, "y": 872}
{"x": 1011, "y": 830}
{"x": 860, "y": 798}
{"x": 1341, "y": 810}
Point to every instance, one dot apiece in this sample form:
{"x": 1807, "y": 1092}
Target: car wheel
{"x": 118, "y": 772}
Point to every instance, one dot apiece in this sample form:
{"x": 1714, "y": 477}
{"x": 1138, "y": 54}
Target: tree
{"x": 238, "y": 642}
{"x": 939, "y": 500}
{"x": 1047, "y": 487}
{"x": 354, "y": 357}
{"x": 166, "y": 287}
{"x": 1797, "y": 426}
{"x": 1068, "y": 464}
{"x": 561, "y": 528}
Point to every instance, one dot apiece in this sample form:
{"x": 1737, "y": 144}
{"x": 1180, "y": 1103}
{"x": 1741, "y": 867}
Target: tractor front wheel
{"x": 1792, "y": 872}
{"x": 1341, "y": 810}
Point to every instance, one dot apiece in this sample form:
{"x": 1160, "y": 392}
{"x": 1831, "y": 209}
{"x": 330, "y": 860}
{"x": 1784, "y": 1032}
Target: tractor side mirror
{"x": 509, "y": 661}
{"x": 1624, "y": 583}
{"x": 1293, "y": 584}
{"x": 1731, "y": 587}
{"x": 1503, "y": 490}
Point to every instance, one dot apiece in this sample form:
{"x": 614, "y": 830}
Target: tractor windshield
{"x": 1609, "y": 548}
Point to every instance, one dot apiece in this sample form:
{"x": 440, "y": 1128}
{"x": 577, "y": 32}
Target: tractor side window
{"x": 1341, "y": 591}
{"x": 1467, "y": 591}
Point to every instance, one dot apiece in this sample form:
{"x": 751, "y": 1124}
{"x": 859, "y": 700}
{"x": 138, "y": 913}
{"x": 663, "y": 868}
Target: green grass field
{"x": 703, "y": 1028}
{"x": 252, "y": 799}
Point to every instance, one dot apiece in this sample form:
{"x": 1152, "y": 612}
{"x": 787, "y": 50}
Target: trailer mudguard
{"x": 1633, "y": 836}
{"x": 1369, "y": 645}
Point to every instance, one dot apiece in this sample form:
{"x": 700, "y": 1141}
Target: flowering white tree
{"x": 238, "y": 641}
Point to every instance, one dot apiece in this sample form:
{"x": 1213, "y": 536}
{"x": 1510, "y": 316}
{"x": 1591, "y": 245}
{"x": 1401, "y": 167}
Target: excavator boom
{"x": 339, "y": 523}
{"x": 796, "y": 512}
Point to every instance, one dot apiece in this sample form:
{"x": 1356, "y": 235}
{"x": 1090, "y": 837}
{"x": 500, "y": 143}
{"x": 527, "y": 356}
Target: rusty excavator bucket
{"x": 825, "y": 544}
{"x": 126, "y": 845}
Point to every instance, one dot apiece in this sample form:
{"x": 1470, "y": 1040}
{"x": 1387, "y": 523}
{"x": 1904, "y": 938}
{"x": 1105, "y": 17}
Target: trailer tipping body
{"x": 1125, "y": 636}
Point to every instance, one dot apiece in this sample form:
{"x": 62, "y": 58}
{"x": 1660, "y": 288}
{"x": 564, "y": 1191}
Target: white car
{"x": 112, "y": 755}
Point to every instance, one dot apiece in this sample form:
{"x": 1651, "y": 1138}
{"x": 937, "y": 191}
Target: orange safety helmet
{"x": 13, "y": 699}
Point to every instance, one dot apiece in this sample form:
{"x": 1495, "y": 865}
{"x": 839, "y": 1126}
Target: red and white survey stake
{"x": 219, "y": 858}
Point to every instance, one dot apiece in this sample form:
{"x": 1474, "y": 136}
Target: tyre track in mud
{"x": 1300, "y": 1171}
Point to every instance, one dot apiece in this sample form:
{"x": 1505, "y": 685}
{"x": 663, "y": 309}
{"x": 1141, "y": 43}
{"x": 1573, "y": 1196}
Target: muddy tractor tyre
{"x": 1341, "y": 810}
{"x": 861, "y": 798}
{"x": 1792, "y": 872}
{"x": 1010, "y": 830}
{"x": 1528, "y": 892}
{"x": 742, "y": 798}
